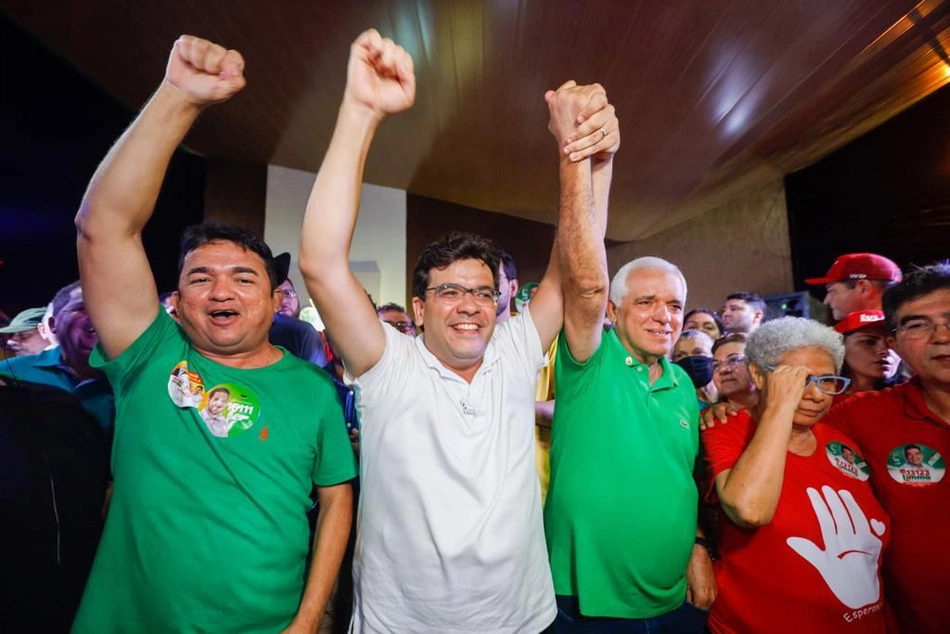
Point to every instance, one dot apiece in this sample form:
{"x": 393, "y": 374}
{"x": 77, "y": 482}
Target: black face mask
{"x": 698, "y": 368}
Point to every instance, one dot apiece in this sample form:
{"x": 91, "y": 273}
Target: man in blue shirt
{"x": 67, "y": 366}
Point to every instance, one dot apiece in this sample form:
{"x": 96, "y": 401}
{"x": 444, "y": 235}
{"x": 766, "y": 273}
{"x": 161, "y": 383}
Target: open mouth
{"x": 222, "y": 316}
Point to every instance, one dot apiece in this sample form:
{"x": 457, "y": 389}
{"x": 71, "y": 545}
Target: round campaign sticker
{"x": 915, "y": 464}
{"x": 185, "y": 387}
{"x": 846, "y": 460}
{"x": 229, "y": 410}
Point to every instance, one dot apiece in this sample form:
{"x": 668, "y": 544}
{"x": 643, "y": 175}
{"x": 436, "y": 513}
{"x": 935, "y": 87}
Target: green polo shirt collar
{"x": 667, "y": 379}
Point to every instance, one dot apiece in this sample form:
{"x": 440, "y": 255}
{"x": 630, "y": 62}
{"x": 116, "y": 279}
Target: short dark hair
{"x": 391, "y": 307}
{"x": 508, "y": 264}
{"x": 201, "y": 234}
{"x": 219, "y": 389}
{"x": 451, "y": 248}
{"x": 917, "y": 283}
{"x": 909, "y": 447}
{"x": 61, "y": 298}
{"x": 707, "y": 311}
{"x": 735, "y": 337}
{"x": 752, "y": 299}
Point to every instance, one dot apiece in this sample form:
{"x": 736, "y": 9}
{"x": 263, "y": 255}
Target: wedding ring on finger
{"x": 604, "y": 132}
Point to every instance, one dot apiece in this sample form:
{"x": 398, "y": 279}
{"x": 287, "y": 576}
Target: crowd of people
{"x": 601, "y": 460}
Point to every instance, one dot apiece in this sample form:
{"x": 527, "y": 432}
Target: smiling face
{"x": 914, "y": 456}
{"x": 224, "y": 302}
{"x": 75, "y": 333}
{"x": 457, "y": 333}
{"x": 217, "y": 401}
{"x": 650, "y": 316}
{"x": 730, "y": 373}
{"x": 814, "y": 403}
{"x": 847, "y": 453}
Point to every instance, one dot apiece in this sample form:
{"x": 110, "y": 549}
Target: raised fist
{"x": 582, "y": 121}
{"x": 379, "y": 76}
{"x": 203, "y": 71}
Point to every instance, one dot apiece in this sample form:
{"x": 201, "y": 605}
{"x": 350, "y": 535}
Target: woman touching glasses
{"x": 803, "y": 545}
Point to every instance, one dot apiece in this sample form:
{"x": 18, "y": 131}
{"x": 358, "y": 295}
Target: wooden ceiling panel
{"x": 714, "y": 97}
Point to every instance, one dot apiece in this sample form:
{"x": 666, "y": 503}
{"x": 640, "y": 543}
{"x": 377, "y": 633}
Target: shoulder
{"x": 47, "y": 360}
{"x": 739, "y": 429}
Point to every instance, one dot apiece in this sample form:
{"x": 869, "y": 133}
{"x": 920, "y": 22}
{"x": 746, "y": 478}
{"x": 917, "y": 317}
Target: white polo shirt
{"x": 451, "y": 536}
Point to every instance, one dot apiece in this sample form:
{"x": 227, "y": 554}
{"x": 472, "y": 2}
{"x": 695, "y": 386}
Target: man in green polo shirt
{"x": 621, "y": 509}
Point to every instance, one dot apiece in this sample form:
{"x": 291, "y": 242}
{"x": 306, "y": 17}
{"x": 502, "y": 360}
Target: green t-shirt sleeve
{"x": 122, "y": 370}
{"x": 335, "y": 462}
{"x": 570, "y": 376}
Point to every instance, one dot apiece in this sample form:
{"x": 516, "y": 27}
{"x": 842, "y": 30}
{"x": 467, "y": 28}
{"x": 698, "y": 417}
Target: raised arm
{"x": 749, "y": 492}
{"x": 379, "y": 81}
{"x": 122, "y": 193}
{"x": 588, "y": 134}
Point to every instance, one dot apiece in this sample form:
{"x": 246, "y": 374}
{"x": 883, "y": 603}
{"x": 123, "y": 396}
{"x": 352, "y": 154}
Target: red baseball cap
{"x": 859, "y": 266}
{"x": 861, "y": 319}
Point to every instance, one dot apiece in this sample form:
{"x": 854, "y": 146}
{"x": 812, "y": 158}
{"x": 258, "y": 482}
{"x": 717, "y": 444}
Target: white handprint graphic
{"x": 849, "y": 562}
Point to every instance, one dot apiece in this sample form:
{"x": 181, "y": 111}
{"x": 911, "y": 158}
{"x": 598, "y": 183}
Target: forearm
{"x": 752, "y": 488}
{"x": 121, "y": 195}
{"x": 333, "y": 530}
{"x": 330, "y": 218}
{"x": 581, "y": 254}
{"x": 602, "y": 173}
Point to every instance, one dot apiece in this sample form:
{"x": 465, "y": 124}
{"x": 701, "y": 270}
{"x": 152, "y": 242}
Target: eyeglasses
{"x": 921, "y": 328}
{"x": 289, "y": 293}
{"x": 830, "y": 384}
{"x": 401, "y": 326}
{"x": 732, "y": 362}
{"x": 453, "y": 294}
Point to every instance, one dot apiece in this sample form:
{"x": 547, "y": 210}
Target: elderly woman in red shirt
{"x": 801, "y": 550}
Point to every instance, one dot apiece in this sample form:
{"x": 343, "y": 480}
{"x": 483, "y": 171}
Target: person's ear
{"x": 418, "y": 311}
{"x": 758, "y": 375}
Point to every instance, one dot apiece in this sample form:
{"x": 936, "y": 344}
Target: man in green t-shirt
{"x": 621, "y": 510}
{"x": 219, "y": 435}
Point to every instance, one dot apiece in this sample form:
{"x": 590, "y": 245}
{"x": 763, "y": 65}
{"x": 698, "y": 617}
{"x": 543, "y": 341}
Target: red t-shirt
{"x": 816, "y": 566}
{"x": 907, "y": 447}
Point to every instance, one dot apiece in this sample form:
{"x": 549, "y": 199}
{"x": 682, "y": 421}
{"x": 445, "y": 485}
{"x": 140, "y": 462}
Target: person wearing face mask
{"x": 693, "y": 353}
{"x": 67, "y": 366}
{"x": 868, "y": 361}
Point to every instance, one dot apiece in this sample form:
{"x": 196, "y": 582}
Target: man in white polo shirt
{"x": 450, "y": 529}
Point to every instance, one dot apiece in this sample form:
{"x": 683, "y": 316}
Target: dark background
{"x": 887, "y": 192}
{"x": 56, "y": 127}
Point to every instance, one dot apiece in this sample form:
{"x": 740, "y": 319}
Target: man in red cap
{"x": 856, "y": 282}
